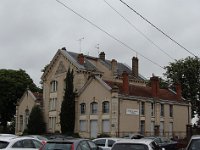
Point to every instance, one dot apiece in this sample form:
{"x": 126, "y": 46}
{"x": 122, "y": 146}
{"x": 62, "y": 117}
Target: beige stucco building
{"x": 24, "y": 107}
{"x": 112, "y": 98}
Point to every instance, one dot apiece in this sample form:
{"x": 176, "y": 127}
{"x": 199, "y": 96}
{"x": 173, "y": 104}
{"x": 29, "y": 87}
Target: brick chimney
{"x": 135, "y": 66}
{"x": 154, "y": 86}
{"x": 80, "y": 59}
{"x": 125, "y": 84}
{"x": 114, "y": 66}
{"x": 178, "y": 91}
{"x": 102, "y": 56}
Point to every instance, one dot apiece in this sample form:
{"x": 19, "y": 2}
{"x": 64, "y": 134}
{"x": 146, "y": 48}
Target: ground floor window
{"x": 83, "y": 125}
{"x": 106, "y": 126}
{"x": 52, "y": 124}
{"x": 142, "y": 127}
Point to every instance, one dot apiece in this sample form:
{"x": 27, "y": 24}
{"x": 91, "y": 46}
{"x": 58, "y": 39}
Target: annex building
{"x": 111, "y": 98}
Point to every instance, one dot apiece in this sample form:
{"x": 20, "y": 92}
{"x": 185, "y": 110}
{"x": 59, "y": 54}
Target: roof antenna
{"x": 80, "y": 40}
{"x": 97, "y": 47}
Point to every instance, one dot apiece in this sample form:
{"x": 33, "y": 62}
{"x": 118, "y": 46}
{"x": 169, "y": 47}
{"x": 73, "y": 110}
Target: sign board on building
{"x": 130, "y": 111}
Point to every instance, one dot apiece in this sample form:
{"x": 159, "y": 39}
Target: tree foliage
{"x": 13, "y": 83}
{"x": 67, "y": 115}
{"x": 187, "y": 72}
{"x": 36, "y": 124}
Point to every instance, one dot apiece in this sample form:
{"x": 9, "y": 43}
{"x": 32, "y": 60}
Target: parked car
{"x": 8, "y": 135}
{"x": 138, "y": 144}
{"x": 19, "y": 143}
{"x": 39, "y": 137}
{"x": 70, "y": 144}
{"x": 194, "y": 143}
{"x": 133, "y": 136}
{"x": 105, "y": 143}
{"x": 164, "y": 142}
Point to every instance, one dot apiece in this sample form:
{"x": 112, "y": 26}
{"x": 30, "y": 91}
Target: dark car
{"x": 70, "y": 144}
{"x": 194, "y": 143}
{"x": 164, "y": 142}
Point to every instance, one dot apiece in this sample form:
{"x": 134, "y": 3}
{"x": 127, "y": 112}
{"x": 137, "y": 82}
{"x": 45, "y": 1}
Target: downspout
{"x": 118, "y": 118}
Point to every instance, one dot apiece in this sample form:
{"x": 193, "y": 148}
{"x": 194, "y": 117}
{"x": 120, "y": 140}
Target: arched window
{"x": 105, "y": 107}
{"x": 26, "y": 117}
{"x": 54, "y": 86}
{"x": 83, "y": 108}
{"x": 94, "y": 107}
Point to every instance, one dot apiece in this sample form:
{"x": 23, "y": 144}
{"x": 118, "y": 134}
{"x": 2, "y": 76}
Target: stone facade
{"x": 112, "y": 98}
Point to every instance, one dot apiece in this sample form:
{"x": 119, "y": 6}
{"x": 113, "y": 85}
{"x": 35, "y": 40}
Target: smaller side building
{"x": 24, "y": 107}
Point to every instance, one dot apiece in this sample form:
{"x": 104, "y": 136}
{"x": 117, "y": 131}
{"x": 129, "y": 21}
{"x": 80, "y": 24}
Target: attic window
{"x": 54, "y": 86}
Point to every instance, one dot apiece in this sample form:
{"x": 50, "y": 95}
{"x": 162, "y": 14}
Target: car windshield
{"x": 129, "y": 146}
{"x": 3, "y": 144}
{"x": 194, "y": 145}
{"x": 57, "y": 146}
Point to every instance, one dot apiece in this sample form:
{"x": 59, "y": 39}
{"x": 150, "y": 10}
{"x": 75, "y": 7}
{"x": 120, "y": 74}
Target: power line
{"x": 158, "y": 28}
{"x": 124, "y": 44}
{"x": 138, "y": 30}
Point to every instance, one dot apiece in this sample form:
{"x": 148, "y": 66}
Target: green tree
{"x": 13, "y": 83}
{"x": 36, "y": 124}
{"x": 187, "y": 73}
{"x": 67, "y": 115}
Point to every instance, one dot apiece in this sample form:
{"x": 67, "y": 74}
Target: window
{"x": 52, "y": 123}
{"x": 26, "y": 117}
{"x": 171, "y": 110}
{"x": 82, "y": 124}
{"x": 52, "y": 104}
{"x": 83, "y": 108}
{"x": 106, "y": 126}
{"x": 94, "y": 108}
{"x": 54, "y": 85}
{"x": 105, "y": 106}
{"x": 161, "y": 128}
{"x": 100, "y": 142}
{"x": 152, "y": 109}
{"x": 21, "y": 122}
{"x": 142, "y": 126}
{"x": 162, "y": 110}
{"x": 142, "y": 108}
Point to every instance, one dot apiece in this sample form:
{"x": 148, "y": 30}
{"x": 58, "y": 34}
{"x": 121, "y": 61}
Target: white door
{"x": 93, "y": 128}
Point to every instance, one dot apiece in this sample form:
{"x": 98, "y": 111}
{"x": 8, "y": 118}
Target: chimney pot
{"x": 178, "y": 91}
{"x": 80, "y": 59}
{"x": 154, "y": 86}
{"x": 102, "y": 56}
{"x": 135, "y": 66}
{"x": 125, "y": 85}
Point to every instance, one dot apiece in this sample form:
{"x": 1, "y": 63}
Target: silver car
{"x": 105, "y": 143}
{"x": 19, "y": 143}
{"x": 135, "y": 144}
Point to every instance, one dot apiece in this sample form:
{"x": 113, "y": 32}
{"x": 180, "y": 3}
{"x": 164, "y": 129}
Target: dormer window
{"x": 54, "y": 86}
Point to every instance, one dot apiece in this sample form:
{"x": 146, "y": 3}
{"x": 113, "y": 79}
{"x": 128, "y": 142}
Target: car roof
{"x": 111, "y": 138}
{"x": 8, "y": 139}
{"x": 195, "y": 137}
{"x": 142, "y": 141}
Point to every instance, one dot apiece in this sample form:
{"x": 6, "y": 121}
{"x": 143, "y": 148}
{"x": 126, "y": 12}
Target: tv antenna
{"x": 97, "y": 47}
{"x": 80, "y": 41}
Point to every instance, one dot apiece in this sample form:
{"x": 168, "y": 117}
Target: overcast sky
{"x": 31, "y": 32}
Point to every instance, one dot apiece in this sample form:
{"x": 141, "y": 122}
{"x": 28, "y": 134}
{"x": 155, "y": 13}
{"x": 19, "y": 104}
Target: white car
{"x": 136, "y": 144}
{"x": 105, "y": 143}
{"x": 19, "y": 143}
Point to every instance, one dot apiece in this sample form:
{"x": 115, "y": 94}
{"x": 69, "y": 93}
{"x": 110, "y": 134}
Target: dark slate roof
{"x": 145, "y": 91}
{"x": 107, "y": 63}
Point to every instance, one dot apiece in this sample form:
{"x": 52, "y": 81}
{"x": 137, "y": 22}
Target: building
{"x": 24, "y": 107}
{"x": 112, "y": 98}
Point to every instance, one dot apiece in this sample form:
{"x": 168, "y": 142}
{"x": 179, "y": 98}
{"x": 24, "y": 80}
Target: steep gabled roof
{"x": 88, "y": 65}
